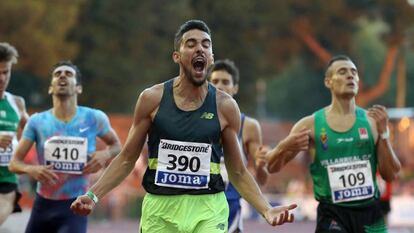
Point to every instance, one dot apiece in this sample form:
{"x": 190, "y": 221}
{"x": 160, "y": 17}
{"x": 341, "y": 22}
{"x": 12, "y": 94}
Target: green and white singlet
{"x": 9, "y": 121}
{"x": 345, "y": 163}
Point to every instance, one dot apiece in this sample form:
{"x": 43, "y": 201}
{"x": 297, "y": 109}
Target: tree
{"x": 126, "y": 46}
{"x": 397, "y": 14}
{"x": 39, "y": 30}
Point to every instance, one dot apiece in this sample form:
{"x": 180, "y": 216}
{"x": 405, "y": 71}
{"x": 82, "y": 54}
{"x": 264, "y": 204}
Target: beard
{"x": 194, "y": 81}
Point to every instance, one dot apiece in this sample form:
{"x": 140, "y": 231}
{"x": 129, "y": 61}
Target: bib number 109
{"x": 182, "y": 163}
{"x": 352, "y": 179}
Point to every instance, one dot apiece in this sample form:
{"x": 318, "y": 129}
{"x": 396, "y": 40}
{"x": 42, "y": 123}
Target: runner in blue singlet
{"x": 224, "y": 75}
{"x": 65, "y": 138}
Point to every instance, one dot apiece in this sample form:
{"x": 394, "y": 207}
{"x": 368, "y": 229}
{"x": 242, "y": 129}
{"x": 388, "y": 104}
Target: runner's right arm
{"x": 17, "y": 165}
{"x": 124, "y": 162}
{"x": 288, "y": 148}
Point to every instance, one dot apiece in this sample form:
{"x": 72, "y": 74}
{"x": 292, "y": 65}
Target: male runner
{"x": 347, "y": 144}
{"x": 188, "y": 123}
{"x": 65, "y": 138}
{"x": 13, "y": 116}
{"x": 224, "y": 75}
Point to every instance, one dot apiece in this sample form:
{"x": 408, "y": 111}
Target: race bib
{"x": 183, "y": 164}
{"x": 351, "y": 181}
{"x": 6, "y": 153}
{"x": 66, "y": 154}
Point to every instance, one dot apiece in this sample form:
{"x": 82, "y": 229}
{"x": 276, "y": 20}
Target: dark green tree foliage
{"x": 293, "y": 99}
{"x": 39, "y": 30}
{"x": 126, "y": 46}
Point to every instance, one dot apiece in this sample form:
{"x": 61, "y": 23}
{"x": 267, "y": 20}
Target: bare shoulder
{"x": 252, "y": 131}
{"x": 153, "y": 93}
{"x": 307, "y": 122}
{"x": 225, "y": 101}
{"x": 228, "y": 111}
{"x": 20, "y": 102}
{"x": 152, "y": 96}
{"x": 251, "y": 123}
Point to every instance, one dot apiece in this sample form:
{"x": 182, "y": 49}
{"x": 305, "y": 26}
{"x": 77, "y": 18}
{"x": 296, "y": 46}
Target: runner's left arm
{"x": 388, "y": 163}
{"x": 238, "y": 174}
{"x": 252, "y": 139}
{"x": 23, "y": 114}
{"x": 100, "y": 158}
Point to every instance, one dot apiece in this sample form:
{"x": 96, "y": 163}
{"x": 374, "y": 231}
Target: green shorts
{"x": 206, "y": 213}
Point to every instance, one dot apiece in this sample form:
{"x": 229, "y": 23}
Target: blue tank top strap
{"x": 242, "y": 117}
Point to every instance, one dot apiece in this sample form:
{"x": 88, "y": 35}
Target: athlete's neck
{"x": 2, "y": 95}
{"x": 342, "y": 106}
{"x": 65, "y": 110}
{"x": 187, "y": 91}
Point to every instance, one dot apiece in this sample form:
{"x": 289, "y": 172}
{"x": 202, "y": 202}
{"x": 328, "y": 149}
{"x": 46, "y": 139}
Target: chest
{"x": 340, "y": 123}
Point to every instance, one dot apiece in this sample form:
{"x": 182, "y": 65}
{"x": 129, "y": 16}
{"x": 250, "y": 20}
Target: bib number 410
{"x": 65, "y": 153}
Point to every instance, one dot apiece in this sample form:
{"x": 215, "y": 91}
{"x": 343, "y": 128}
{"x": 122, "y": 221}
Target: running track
{"x": 16, "y": 224}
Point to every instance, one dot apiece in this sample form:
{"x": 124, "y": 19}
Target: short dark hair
{"x": 8, "y": 53}
{"x": 336, "y": 58}
{"x": 70, "y": 64}
{"x": 228, "y": 66}
{"x": 187, "y": 26}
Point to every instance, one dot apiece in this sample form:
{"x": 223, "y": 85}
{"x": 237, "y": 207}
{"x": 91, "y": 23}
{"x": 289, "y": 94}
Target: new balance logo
{"x": 207, "y": 115}
{"x": 335, "y": 226}
{"x": 221, "y": 226}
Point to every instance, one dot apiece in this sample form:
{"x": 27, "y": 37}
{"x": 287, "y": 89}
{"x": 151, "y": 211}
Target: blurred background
{"x": 280, "y": 47}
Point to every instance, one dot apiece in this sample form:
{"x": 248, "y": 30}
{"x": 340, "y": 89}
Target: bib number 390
{"x": 182, "y": 163}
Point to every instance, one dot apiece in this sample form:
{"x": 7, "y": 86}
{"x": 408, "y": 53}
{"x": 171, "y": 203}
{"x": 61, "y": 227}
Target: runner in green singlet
{"x": 347, "y": 144}
{"x": 188, "y": 123}
{"x": 13, "y": 116}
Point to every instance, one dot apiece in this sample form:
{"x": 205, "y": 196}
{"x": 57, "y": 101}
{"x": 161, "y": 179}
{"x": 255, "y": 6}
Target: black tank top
{"x": 184, "y": 148}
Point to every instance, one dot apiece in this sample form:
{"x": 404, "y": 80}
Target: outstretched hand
{"x": 83, "y": 205}
{"x": 280, "y": 215}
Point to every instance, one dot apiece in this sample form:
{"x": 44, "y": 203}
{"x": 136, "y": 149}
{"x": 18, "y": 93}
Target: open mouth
{"x": 62, "y": 84}
{"x": 199, "y": 64}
